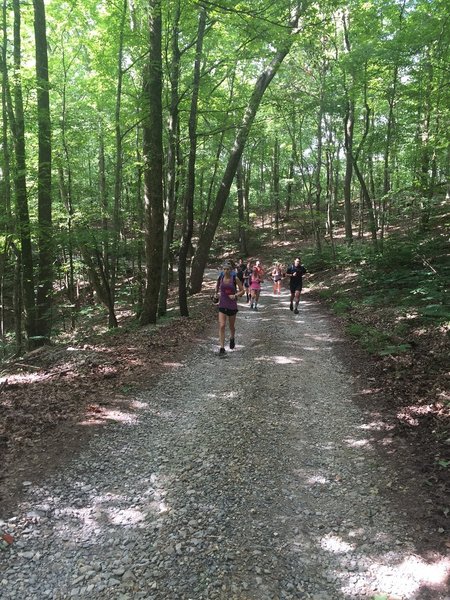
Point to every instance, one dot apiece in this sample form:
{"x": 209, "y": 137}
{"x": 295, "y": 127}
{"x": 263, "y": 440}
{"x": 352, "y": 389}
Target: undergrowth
{"x": 410, "y": 277}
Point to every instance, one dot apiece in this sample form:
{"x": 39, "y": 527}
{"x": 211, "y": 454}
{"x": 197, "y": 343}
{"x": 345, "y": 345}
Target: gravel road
{"x": 251, "y": 477}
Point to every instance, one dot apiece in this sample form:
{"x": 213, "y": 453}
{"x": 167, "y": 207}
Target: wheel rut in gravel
{"x": 254, "y": 477}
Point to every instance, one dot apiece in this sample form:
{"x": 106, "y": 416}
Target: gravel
{"x": 251, "y": 477}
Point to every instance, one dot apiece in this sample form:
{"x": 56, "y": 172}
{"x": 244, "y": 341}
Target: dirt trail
{"x": 253, "y": 477}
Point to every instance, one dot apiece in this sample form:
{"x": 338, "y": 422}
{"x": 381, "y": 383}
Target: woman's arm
{"x": 241, "y": 289}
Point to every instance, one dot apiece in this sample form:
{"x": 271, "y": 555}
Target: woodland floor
{"x": 54, "y": 399}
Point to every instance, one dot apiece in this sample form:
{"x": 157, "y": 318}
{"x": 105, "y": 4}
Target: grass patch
{"x": 410, "y": 275}
{"x": 342, "y": 306}
{"x": 370, "y": 338}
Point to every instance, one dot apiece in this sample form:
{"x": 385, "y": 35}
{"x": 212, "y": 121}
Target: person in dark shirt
{"x": 240, "y": 268}
{"x": 247, "y": 273}
{"x": 295, "y": 273}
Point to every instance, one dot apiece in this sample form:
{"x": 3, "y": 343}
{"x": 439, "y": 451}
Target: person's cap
{"x": 226, "y": 265}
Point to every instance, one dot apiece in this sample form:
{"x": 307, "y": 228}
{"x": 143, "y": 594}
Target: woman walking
{"x": 247, "y": 274}
{"x": 277, "y": 276}
{"x": 255, "y": 287}
{"x": 229, "y": 288}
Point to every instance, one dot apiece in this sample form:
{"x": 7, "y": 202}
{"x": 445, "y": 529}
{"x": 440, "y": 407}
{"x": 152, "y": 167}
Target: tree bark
{"x": 18, "y": 128}
{"x": 318, "y": 184}
{"x": 171, "y": 194}
{"x": 349, "y": 122}
{"x": 242, "y": 227}
{"x": 153, "y": 166}
{"x": 365, "y": 192}
{"x": 188, "y": 225}
{"x": 44, "y": 294}
{"x": 118, "y": 166}
{"x": 276, "y": 184}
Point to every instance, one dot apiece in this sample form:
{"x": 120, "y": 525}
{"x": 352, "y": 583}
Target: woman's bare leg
{"x": 232, "y": 325}
{"x": 222, "y": 323}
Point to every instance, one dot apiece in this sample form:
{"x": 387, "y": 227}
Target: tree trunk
{"x": 66, "y": 196}
{"x": 349, "y": 121}
{"x": 217, "y": 161}
{"x": 290, "y": 186}
{"x": 6, "y": 158}
{"x": 188, "y": 224}
{"x": 18, "y": 303}
{"x": 262, "y": 83}
{"x": 365, "y": 192}
{"x": 425, "y": 147}
{"x": 101, "y": 284}
{"x": 171, "y": 195}
{"x": 318, "y": 183}
{"x": 140, "y": 224}
{"x": 45, "y": 233}
{"x": 18, "y": 128}
{"x": 153, "y": 166}
{"x": 242, "y": 227}
{"x": 119, "y": 161}
{"x": 103, "y": 197}
{"x": 276, "y": 184}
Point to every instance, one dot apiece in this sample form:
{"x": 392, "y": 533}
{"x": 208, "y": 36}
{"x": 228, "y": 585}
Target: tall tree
{"x": 153, "y": 165}
{"x": 172, "y": 134}
{"x": 45, "y": 233}
{"x": 119, "y": 161}
{"x": 188, "y": 204}
{"x": 349, "y": 124}
{"x": 261, "y": 84}
{"x": 17, "y": 123}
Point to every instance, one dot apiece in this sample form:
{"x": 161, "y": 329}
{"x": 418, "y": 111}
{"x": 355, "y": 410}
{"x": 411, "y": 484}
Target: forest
{"x": 139, "y": 139}
{"x": 145, "y": 142}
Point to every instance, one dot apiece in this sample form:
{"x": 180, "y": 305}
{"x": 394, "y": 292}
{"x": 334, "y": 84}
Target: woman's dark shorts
{"x": 230, "y": 312}
{"x": 296, "y": 288}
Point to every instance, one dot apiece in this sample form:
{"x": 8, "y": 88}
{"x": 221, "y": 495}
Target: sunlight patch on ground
{"x": 89, "y": 347}
{"x": 322, "y": 338}
{"x": 407, "y": 317}
{"x": 317, "y": 479}
{"x": 393, "y": 574}
{"x": 116, "y": 416}
{"x": 175, "y": 365}
{"x": 280, "y": 360}
{"x": 369, "y": 391}
{"x": 112, "y": 509}
{"x": 163, "y": 507}
{"x": 329, "y": 446}
{"x": 127, "y": 516}
{"x": 411, "y": 414}
{"x": 138, "y": 405}
{"x": 377, "y": 426}
{"x": 23, "y": 378}
{"x": 404, "y": 576}
{"x": 230, "y": 394}
{"x": 335, "y": 544}
{"x": 357, "y": 443}
{"x": 162, "y": 414}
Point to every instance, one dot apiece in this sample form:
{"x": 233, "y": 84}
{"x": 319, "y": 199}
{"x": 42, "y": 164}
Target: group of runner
{"x": 241, "y": 279}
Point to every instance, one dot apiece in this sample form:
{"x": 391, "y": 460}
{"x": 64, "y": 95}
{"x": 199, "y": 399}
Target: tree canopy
{"x": 132, "y": 132}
